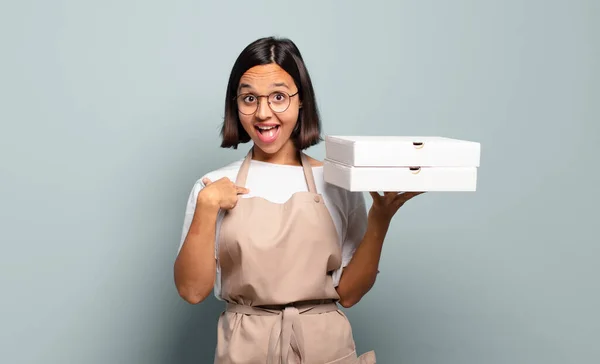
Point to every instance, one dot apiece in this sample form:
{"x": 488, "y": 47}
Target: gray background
{"x": 111, "y": 109}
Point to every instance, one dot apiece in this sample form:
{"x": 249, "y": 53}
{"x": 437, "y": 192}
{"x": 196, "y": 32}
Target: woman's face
{"x": 270, "y": 130}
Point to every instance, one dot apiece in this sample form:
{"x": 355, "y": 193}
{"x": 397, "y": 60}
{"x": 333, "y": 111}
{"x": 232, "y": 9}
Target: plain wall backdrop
{"x": 110, "y": 111}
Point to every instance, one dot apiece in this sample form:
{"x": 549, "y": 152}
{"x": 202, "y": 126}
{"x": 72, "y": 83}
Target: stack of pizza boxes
{"x": 401, "y": 163}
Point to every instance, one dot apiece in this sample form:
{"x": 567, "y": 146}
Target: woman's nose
{"x": 264, "y": 110}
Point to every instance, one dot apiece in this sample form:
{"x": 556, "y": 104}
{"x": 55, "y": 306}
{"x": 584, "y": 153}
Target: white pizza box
{"x": 402, "y": 151}
{"x": 400, "y": 179}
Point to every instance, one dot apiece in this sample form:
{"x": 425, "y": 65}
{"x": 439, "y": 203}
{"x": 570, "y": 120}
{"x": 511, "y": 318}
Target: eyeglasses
{"x": 278, "y": 101}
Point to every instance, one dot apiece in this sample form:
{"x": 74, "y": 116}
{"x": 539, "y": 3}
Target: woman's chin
{"x": 269, "y": 149}
{"x": 268, "y": 145}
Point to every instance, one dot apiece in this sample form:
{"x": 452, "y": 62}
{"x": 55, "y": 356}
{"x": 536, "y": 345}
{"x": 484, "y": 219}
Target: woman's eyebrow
{"x": 280, "y": 84}
{"x": 276, "y": 84}
{"x": 245, "y": 85}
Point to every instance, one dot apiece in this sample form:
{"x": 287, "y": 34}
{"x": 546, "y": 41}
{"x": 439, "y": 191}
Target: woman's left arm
{"x": 359, "y": 275}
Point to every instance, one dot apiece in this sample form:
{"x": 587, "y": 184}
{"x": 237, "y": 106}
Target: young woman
{"x": 280, "y": 246}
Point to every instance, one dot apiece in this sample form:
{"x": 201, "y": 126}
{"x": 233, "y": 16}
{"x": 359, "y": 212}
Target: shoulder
{"x": 314, "y": 162}
{"x": 352, "y": 199}
{"x": 346, "y": 202}
{"x": 230, "y": 171}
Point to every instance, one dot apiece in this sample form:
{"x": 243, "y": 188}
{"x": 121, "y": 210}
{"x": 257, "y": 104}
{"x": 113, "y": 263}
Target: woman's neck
{"x": 287, "y": 155}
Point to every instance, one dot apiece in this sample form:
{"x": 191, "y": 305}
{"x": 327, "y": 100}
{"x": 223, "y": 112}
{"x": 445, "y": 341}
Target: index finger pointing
{"x": 241, "y": 190}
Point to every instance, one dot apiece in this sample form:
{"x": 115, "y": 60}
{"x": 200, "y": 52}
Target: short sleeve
{"x": 190, "y": 209}
{"x": 356, "y": 228}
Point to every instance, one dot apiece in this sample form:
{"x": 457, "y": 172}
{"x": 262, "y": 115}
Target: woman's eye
{"x": 249, "y": 99}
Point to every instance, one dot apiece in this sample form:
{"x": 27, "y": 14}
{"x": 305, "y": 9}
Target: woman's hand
{"x": 385, "y": 207}
{"x": 222, "y": 193}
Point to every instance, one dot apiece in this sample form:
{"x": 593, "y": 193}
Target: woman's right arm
{"x": 195, "y": 265}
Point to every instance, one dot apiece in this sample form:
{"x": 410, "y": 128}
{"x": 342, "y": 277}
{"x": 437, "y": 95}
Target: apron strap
{"x": 308, "y": 174}
{"x": 240, "y": 180}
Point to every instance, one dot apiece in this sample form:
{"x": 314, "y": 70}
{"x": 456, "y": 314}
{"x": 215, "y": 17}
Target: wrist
{"x": 379, "y": 218}
{"x": 205, "y": 214}
{"x": 207, "y": 203}
{"x": 378, "y": 225}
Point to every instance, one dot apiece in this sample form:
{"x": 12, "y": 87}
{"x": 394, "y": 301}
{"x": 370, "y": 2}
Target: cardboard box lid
{"x": 402, "y": 151}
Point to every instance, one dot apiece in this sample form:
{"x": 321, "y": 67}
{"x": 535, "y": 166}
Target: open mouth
{"x": 267, "y": 133}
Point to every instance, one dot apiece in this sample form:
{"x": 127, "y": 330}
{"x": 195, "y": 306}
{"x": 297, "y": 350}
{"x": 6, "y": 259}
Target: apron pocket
{"x": 366, "y": 358}
{"x": 348, "y": 359}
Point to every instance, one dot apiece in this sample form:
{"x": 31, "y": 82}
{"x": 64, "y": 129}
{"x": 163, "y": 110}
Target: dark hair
{"x": 284, "y": 53}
